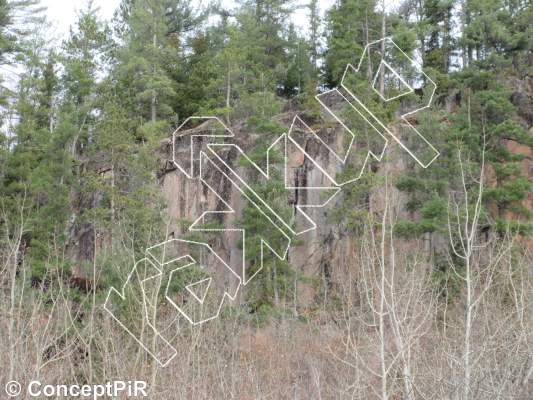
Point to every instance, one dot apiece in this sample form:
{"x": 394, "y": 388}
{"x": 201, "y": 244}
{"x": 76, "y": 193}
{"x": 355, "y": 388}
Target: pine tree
{"x": 273, "y": 279}
{"x": 315, "y": 22}
{"x": 496, "y": 28}
{"x": 227, "y": 85}
{"x": 84, "y": 56}
{"x": 183, "y": 18}
{"x": 300, "y": 70}
{"x": 482, "y": 129}
{"x": 141, "y": 60}
{"x": 512, "y": 185}
{"x": 37, "y": 165}
{"x": 15, "y": 30}
{"x": 128, "y": 187}
{"x": 16, "y": 33}
{"x": 263, "y": 24}
{"x": 428, "y": 187}
{"x": 438, "y": 24}
{"x": 350, "y": 26}
{"x": 192, "y": 75}
{"x": 31, "y": 105}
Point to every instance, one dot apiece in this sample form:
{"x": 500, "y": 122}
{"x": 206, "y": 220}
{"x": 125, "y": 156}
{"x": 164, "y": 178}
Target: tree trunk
{"x": 463, "y": 24}
{"x": 275, "y": 273}
{"x": 153, "y": 107}
{"x": 298, "y": 69}
{"x": 431, "y": 252}
{"x": 155, "y": 73}
{"x": 381, "y": 316}
{"x": 264, "y": 94}
{"x": 501, "y": 207}
{"x": 469, "y": 117}
{"x": 422, "y": 41}
{"x": 468, "y": 19}
{"x": 228, "y": 92}
{"x": 52, "y": 115}
{"x": 369, "y": 72}
{"x": 75, "y": 141}
{"x": 112, "y": 199}
{"x": 383, "y": 31}
{"x": 468, "y": 330}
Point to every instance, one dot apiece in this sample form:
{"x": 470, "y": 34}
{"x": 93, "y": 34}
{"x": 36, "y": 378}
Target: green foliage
{"x": 274, "y": 279}
{"x": 17, "y": 21}
{"x": 346, "y": 24}
{"x": 498, "y": 127}
{"x": 315, "y": 22}
{"x": 496, "y": 26}
{"x": 142, "y": 61}
{"x": 514, "y": 227}
{"x": 179, "y": 282}
{"x": 310, "y": 102}
{"x": 129, "y": 197}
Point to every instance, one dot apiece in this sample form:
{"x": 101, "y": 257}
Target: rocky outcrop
{"x": 326, "y": 251}
{"x": 522, "y": 99}
{"x": 329, "y": 249}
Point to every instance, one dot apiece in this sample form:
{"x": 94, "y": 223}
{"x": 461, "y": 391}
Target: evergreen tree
{"x": 37, "y": 172}
{"x": 129, "y": 199}
{"x": 300, "y": 70}
{"x": 428, "y": 187}
{"x": 263, "y": 24}
{"x": 350, "y": 26}
{"x": 14, "y": 29}
{"x": 18, "y": 21}
{"x": 315, "y": 23}
{"x": 495, "y": 28}
{"x": 84, "y": 57}
{"x": 498, "y": 128}
{"x": 438, "y": 24}
{"x": 192, "y": 75}
{"x": 141, "y": 60}
{"x": 183, "y": 18}
{"x": 481, "y": 129}
{"x": 273, "y": 279}
{"x": 227, "y": 85}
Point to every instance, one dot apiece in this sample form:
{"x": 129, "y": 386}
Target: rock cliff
{"x": 328, "y": 251}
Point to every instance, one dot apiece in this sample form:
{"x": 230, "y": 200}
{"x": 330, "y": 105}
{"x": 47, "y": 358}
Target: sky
{"x": 63, "y": 11}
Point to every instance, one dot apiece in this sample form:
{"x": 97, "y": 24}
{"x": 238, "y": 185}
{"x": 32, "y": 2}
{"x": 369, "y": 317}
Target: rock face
{"x": 328, "y": 251}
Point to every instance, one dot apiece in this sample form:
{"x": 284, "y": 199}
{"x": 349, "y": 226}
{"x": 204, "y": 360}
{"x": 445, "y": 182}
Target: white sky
{"x": 63, "y": 11}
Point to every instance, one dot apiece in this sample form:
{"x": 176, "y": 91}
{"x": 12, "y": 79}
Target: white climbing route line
{"x": 165, "y": 261}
